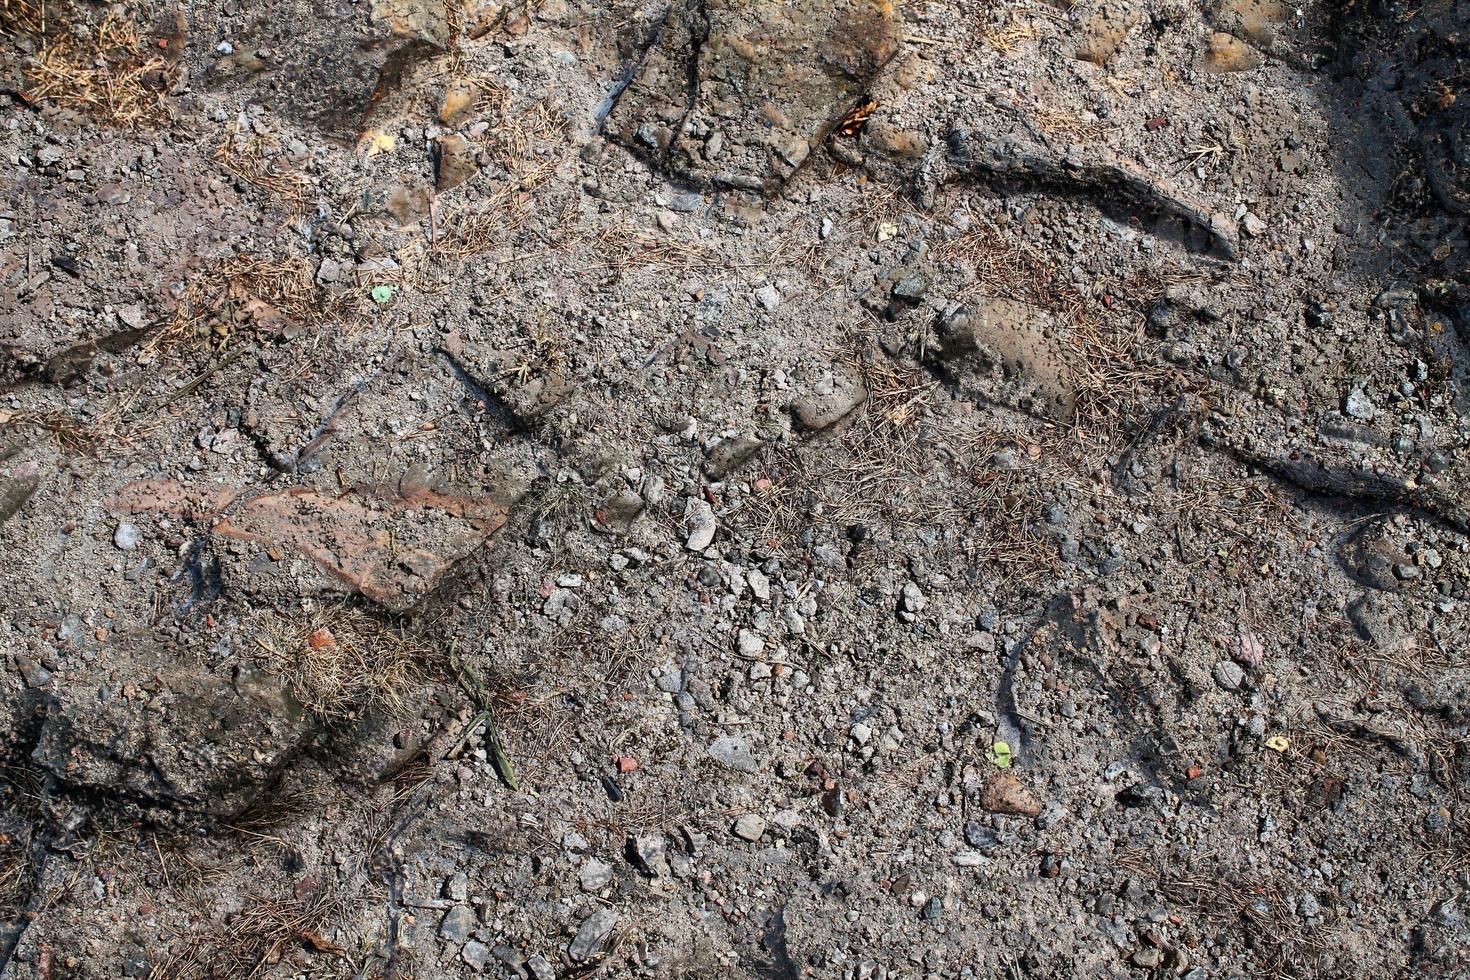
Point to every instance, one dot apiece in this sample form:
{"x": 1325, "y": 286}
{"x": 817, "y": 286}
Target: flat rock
{"x": 699, "y": 524}
{"x": 738, "y": 93}
{"x": 1102, "y": 28}
{"x": 457, "y": 923}
{"x": 17, "y": 485}
{"x": 1227, "y": 53}
{"x": 749, "y": 827}
{"x": 329, "y": 63}
{"x": 829, "y": 404}
{"x": 591, "y": 934}
{"x": 454, "y": 162}
{"x": 595, "y": 875}
{"x": 1009, "y": 353}
{"x": 184, "y": 738}
{"x": 388, "y": 544}
{"x": 733, "y": 753}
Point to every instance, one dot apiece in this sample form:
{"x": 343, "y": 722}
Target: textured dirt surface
{"x": 835, "y": 489}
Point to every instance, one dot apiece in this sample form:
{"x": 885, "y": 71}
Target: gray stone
{"x": 739, "y": 93}
{"x": 728, "y": 455}
{"x": 1358, "y": 405}
{"x": 34, "y": 674}
{"x": 824, "y": 409}
{"x": 648, "y": 852}
{"x": 760, "y": 584}
{"x": 475, "y": 954}
{"x": 595, "y": 875}
{"x": 457, "y": 887}
{"x": 699, "y": 522}
{"x": 913, "y": 598}
{"x": 733, "y": 753}
{"x": 591, "y": 934}
{"x": 127, "y": 536}
{"x": 457, "y": 924}
{"x": 979, "y": 836}
{"x": 540, "y": 968}
{"x": 17, "y": 486}
{"x": 205, "y": 743}
{"x": 768, "y": 296}
{"x": 511, "y": 958}
{"x": 1229, "y": 675}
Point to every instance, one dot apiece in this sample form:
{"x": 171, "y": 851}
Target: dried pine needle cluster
{"x": 105, "y": 72}
{"x": 24, "y": 18}
{"x": 247, "y": 295}
{"x": 340, "y": 661}
{"x": 528, "y": 144}
{"x": 246, "y": 156}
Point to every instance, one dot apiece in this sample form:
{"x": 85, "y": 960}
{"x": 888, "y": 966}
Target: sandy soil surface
{"x": 825, "y": 488}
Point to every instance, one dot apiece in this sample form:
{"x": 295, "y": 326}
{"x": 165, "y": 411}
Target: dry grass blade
{"x": 256, "y": 939}
{"x": 71, "y": 435}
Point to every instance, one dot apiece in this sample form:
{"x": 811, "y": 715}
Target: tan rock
{"x": 824, "y": 408}
{"x": 1253, "y": 20}
{"x": 454, "y": 162}
{"x": 1006, "y": 794}
{"x": 1011, "y": 353}
{"x": 895, "y": 142}
{"x": 1102, "y": 31}
{"x": 459, "y": 98}
{"x": 1227, "y": 53}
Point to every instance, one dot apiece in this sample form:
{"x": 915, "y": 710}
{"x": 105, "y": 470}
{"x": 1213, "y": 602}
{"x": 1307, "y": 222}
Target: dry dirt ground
{"x": 825, "y": 488}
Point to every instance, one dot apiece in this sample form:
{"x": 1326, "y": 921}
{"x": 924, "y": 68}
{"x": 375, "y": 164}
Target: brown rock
{"x": 1005, "y": 794}
{"x": 391, "y": 545}
{"x": 1252, "y": 20}
{"x": 454, "y": 162}
{"x": 481, "y": 16}
{"x": 459, "y": 98}
{"x": 900, "y": 145}
{"x": 1102, "y": 31}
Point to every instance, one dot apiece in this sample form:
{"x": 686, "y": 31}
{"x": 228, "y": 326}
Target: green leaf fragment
{"x": 1000, "y": 755}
